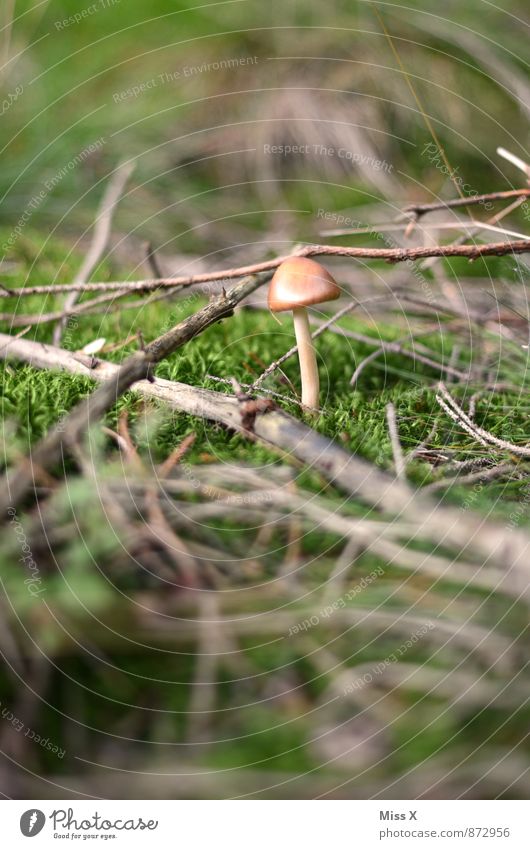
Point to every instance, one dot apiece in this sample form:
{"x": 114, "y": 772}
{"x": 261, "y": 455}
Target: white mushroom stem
{"x": 307, "y": 357}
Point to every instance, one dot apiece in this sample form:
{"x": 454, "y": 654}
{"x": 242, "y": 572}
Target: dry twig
{"x": 420, "y": 209}
{"x": 397, "y": 451}
{"x": 502, "y": 470}
{"x": 391, "y": 255}
{"x": 100, "y": 237}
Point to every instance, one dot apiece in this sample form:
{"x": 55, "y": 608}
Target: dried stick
{"x": 414, "y": 452}
{"x": 397, "y": 451}
{"x": 481, "y": 476}
{"x": 365, "y": 362}
{"x": 176, "y": 455}
{"x": 137, "y": 367}
{"x": 419, "y": 209}
{"x": 204, "y": 688}
{"x": 94, "y": 306}
{"x": 397, "y": 348}
{"x": 331, "y": 589}
{"x": 32, "y": 319}
{"x": 100, "y": 237}
{"x": 456, "y": 417}
{"x": 152, "y": 260}
{"x": 429, "y": 263}
{"x": 251, "y": 387}
{"x": 392, "y": 255}
{"x": 458, "y": 467}
{"x": 472, "y": 226}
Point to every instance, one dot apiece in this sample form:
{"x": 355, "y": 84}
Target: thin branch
{"x": 459, "y": 467}
{"x": 123, "y": 432}
{"x": 176, "y": 455}
{"x": 86, "y": 308}
{"x": 152, "y": 260}
{"x": 391, "y": 255}
{"x": 429, "y": 263}
{"x": 16, "y": 336}
{"x": 456, "y": 417}
{"x": 481, "y": 319}
{"x": 161, "y": 531}
{"x": 419, "y": 449}
{"x": 453, "y": 359}
{"x": 472, "y": 406}
{"x": 100, "y": 236}
{"x": 365, "y": 362}
{"x": 481, "y": 476}
{"x": 102, "y": 304}
{"x": 204, "y": 688}
{"x": 250, "y": 387}
{"x": 420, "y": 209}
{"x": 332, "y": 587}
{"x": 472, "y": 226}
{"x": 397, "y": 348}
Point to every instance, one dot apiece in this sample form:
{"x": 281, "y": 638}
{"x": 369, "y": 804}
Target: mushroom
{"x": 299, "y": 283}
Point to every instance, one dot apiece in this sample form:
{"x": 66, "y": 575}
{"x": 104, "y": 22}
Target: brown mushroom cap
{"x": 301, "y": 282}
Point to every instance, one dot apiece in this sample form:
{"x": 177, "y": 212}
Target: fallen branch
{"x": 353, "y": 475}
{"x": 137, "y": 367}
{"x": 272, "y": 425}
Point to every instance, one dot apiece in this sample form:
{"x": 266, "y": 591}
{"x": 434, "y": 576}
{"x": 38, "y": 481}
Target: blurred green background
{"x": 322, "y": 75}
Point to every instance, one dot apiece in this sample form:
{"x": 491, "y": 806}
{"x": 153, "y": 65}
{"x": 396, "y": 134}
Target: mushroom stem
{"x": 307, "y": 357}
